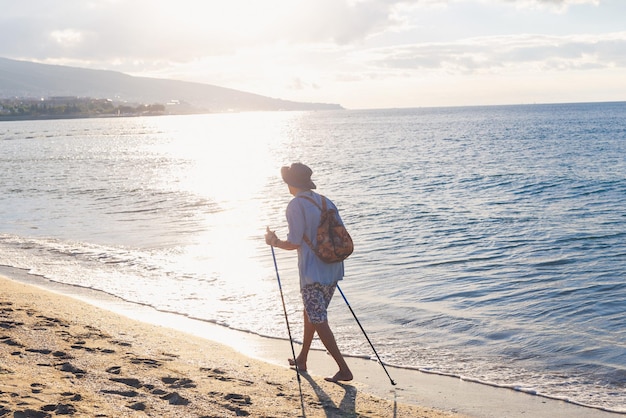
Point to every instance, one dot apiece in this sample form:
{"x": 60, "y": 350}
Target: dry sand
{"x": 62, "y": 356}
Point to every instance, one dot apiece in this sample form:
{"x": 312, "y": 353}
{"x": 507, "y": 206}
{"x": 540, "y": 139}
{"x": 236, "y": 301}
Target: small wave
{"x": 553, "y": 263}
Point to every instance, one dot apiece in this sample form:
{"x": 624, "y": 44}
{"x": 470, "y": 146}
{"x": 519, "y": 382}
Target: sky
{"x": 362, "y": 54}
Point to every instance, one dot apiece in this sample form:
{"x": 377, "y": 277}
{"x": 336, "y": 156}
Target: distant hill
{"x": 29, "y": 79}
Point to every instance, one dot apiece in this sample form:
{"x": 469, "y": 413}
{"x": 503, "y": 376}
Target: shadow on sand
{"x": 347, "y": 406}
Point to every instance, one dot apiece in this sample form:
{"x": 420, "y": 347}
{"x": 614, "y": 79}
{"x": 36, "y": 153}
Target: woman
{"x": 318, "y": 279}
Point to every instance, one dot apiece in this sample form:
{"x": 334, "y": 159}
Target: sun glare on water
{"x": 229, "y": 161}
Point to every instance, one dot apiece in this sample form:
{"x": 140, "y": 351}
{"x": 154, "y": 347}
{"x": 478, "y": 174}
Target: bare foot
{"x": 340, "y": 377}
{"x": 301, "y": 367}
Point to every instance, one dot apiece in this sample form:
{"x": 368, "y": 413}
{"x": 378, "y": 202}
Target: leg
{"x": 328, "y": 338}
{"x": 307, "y": 339}
{"x": 316, "y": 298}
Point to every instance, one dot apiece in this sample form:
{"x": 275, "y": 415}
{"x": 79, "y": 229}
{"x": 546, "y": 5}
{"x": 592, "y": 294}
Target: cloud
{"x": 178, "y": 31}
{"x": 493, "y": 54}
{"x": 66, "y": 38}
{"x": 559, "y": 5}
{"x": 313, "y": 47}
{"x": 144, "y": 36}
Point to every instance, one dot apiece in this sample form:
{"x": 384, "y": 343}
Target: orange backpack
{"x": 333, "y": 242}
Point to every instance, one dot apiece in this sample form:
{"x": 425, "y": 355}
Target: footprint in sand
{"x": 36, "y": 388}
{"x": 39, "y": 350}
{"x": 75, "y": 397}
{"x": 175, "y": 382}
{"x": 132, "y": 382}
{"x": 236, "y": 401}
{"x": 138, "y": 406}
{"x": 175, "y": 399}
{"x": 31, "y": 413}
{"x": 221, "y": 376}
{"x": 60, "y": 409}
{"x": 68, "y": 367}
{"x": 121, "y": 343}
{"x": 62, "y": 355}
{"x": 238, "y": 398}
{"x": 146, "y": 361}
{"x": 10, "y": 324}
{"x": 10, "y": 341}
{"x": 46, "y": 321}
{"x": 114, "y": 370}
{"x": 125, "y": 393}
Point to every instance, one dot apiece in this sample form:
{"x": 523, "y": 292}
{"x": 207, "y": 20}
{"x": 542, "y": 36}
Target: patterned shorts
{"x": 316, "y": 298}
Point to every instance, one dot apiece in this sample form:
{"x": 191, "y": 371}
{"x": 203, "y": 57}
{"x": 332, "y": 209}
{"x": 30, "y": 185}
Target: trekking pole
{"x": 293, "y": 352}
{"x": 368, "y": 339}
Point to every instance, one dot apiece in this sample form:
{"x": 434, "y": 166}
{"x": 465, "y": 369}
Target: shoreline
{"x": 430, "y": 395}
{"x": 62, "y": 356}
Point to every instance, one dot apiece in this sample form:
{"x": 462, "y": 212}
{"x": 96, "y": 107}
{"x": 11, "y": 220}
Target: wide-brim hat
{"x": 298, "y": 175}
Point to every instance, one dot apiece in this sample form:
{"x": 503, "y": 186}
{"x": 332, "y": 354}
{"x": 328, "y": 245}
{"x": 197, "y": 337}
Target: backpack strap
{"x": 322, "y": 208}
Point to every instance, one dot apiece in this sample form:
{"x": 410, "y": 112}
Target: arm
{"x": 272, "y": 239}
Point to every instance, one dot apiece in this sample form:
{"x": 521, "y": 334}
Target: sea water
{"x": 490, "y": 242}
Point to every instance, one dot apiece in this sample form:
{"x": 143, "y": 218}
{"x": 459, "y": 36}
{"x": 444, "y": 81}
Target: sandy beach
{"x": 62, "y": 356}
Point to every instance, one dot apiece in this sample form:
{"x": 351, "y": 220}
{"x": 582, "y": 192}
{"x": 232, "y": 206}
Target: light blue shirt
{"x": 304, "y": 217}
